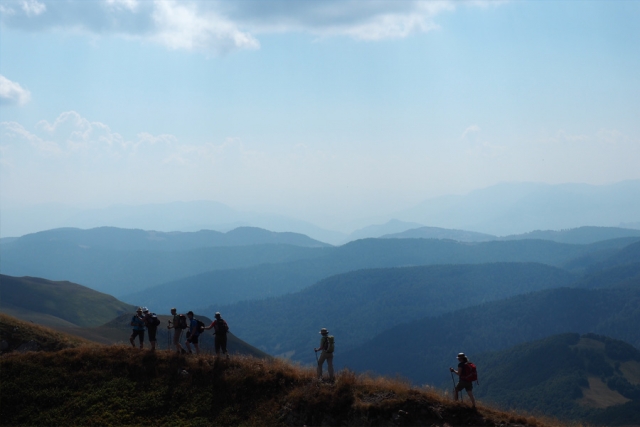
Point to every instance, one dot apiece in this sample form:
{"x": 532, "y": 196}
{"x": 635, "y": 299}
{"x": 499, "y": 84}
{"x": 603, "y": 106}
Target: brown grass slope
{"x": 80, "y": 383}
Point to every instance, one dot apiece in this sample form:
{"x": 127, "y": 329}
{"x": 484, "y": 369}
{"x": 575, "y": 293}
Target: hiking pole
{"x": 317, "y": 361}
{"x": 453, "y": 381}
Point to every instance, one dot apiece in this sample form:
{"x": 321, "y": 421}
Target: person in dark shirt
{"x": 152, "y": 327}
{"x": 137, "y": 322}
{"x": 194, "y": 333}
{"x": 221, "y": 328}
{"x": 463, "y": 384}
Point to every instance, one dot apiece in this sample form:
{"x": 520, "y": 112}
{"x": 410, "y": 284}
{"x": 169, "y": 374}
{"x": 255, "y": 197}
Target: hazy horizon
{"x": 335, "y": 112}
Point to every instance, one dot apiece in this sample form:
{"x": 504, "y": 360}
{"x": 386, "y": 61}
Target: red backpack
{"x": 469, "y": 373}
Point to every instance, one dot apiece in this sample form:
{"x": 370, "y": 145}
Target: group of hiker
{"x": 194, "y": 328}
{"x": 466, "y": 371}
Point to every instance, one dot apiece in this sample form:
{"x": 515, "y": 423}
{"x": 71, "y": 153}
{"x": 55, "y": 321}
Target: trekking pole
{"x": 317, "y": 361}
{"x": 454, "y": 383}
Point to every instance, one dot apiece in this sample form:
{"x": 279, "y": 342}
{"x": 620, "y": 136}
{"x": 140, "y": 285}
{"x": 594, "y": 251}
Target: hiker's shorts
{"x": 152, "y": 333}
{"x": 138, "y": 333}
{"x": 176, "y": 336}
{"x": 464, "y": 385}
{"x": 193, "y": 339}
{"x": 221, "y": 343}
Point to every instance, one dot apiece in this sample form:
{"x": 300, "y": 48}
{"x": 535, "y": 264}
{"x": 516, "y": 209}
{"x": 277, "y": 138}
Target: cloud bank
{"x": 220, "y": 26}
{"x": 11, "y": 93}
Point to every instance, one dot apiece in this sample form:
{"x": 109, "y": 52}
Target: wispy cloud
{"x": 11, "y": 93}
{"x": 220, "y": 26}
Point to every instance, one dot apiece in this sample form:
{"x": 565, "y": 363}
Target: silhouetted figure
{"x": 465, "y": 381}
{"x": 327, "y": 347}
{"x": 221, "y": 328}
{"x": 178, "y": 325}
{"x": 137, "y": 322}
{"x": 194, "y": 333}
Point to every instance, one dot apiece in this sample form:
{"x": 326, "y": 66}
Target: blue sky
{"x": 319, "y": 110}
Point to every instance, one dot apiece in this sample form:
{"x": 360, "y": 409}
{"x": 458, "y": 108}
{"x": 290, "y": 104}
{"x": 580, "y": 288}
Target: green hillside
{"x": 587, "y": 378}
{"x": 117, "y": 385}
{"x": 18, "y": 335}
{"x": 422, "y": 350}
{"x": 358, "y": 305}
{"x": 57, "y": 303}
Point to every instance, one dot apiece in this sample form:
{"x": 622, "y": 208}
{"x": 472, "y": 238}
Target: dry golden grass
{"x": 77, "y": 382}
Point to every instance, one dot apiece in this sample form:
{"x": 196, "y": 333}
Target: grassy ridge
{"x": 68, "y": 301}
{"x": 122, "y": 386}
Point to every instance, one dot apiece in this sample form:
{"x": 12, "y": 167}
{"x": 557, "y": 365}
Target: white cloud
{"x": 220, "y": 26}
{"x": 33, "y": 7}
{"x": 181, "y": 25}
{"x": 12, "y": 92}
{"x": 470, "y": 130}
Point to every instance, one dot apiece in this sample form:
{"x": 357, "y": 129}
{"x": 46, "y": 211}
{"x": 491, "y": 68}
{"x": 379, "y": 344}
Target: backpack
{"x": 182, "y": 322}
{"x": 470, "y": 373}
{"x": 154, "y": 320}
{"x": 200, "y": 328}
{"x": 330, "y": 344}
{"x": 221, "y": 327}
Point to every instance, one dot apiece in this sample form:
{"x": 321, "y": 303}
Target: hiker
{"x": 193, "y": 333}
{"x": 178, "y": 325}
{"x": 466, "y": 379}
{"x": 327, "y": 346}
{"x": 151, "y": 321}
{"x": 221, "y": 328}
{"x": 138, "y": 328}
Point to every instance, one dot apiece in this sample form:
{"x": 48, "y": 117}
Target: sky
{"x": 332, "y": 109}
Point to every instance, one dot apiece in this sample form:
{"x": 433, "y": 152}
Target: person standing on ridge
{"x": 152, "y": 322}
{"x": 178, "y": 326}
{"x": 138, "y": 328}
{"x": 194, "y": 333}
{"x": 221, "y": 328}
{"x": 466, "y": 372}
{"x": 327, "y": 347}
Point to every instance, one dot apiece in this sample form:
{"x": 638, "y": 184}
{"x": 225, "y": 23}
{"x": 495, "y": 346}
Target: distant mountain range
{"x": 502, "y": 209}
{"x": 515, "y": 208}
{"x": 132, "y": 262}
{"x": 142, "y": 240}
{"x": 580, "y": 235}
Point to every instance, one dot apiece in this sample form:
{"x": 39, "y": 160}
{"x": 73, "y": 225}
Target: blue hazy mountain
{"x": 359, "y": 304}
{"x": 579, "y": 235}
{"x": 139, "y": 240}
{"x": 167, "y": 217}
{"x": 441, "y": 233}
{"x": 225, "y": 286}
{"x": 514, "y": 208}
{"x": 378, "y": 230}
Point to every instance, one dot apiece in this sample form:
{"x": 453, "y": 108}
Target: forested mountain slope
{"x": 358, "y": 305}
{"x": 423, "y": 350}
{"x": 590, "y": 378}
{"x": 225, "y": 287}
